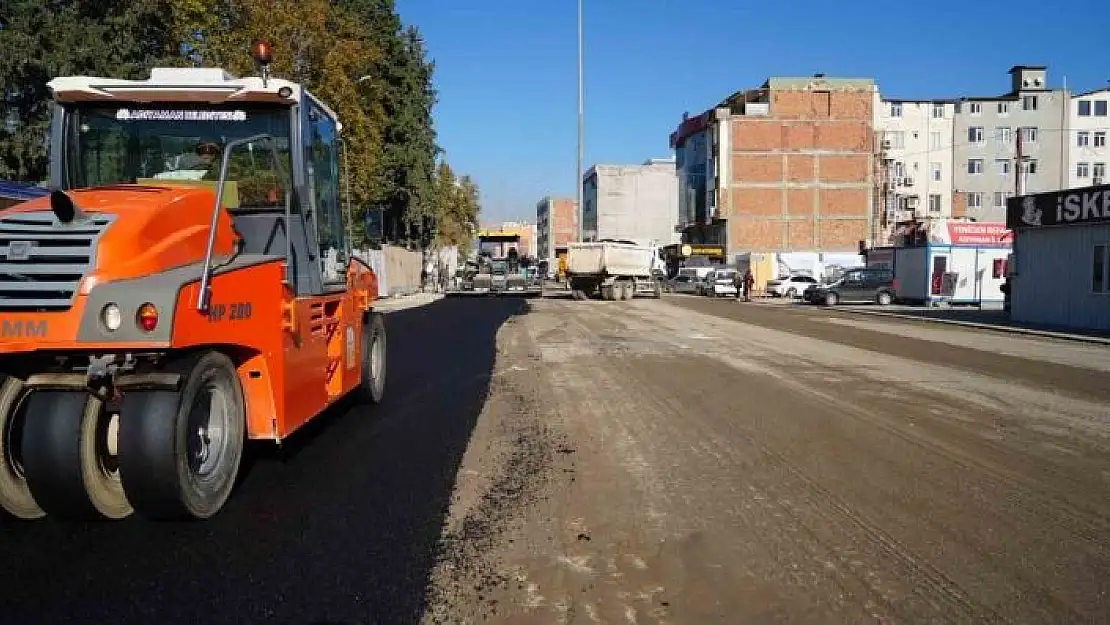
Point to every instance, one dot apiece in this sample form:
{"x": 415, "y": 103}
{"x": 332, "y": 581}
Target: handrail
{"x": 206, "y": 275}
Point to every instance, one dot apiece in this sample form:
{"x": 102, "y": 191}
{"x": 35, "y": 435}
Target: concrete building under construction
{"x": 782, "y": 168}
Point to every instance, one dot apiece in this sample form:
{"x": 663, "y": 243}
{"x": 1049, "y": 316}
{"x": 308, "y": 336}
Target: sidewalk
{"x": 402, "y": 302}
{"x": 994, "y": 320}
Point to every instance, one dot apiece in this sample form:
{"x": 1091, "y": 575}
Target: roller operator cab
{"x": 187, "y": 286}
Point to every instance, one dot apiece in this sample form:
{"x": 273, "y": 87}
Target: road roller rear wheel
{"x": 180, "y": 450}
{"x": 15, "y": 496}
{"x": 69, "y": 456}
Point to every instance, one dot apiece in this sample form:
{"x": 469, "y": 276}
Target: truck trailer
{"x": 186, "y": 287}
{"x": 614, "y": 269}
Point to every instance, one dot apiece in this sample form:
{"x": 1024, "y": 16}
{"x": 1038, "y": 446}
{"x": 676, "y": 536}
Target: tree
{"x": 40, "y": 40}
{"x": 404, "y": 176}
{"x": 317, "y": 43}
{"x": 457, "y": 205}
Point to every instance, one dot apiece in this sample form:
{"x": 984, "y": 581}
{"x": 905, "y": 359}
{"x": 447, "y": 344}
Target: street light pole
{"x": 578, "y": 178}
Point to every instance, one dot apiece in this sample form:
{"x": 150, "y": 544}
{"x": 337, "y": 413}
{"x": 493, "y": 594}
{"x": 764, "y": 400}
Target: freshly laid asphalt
{"x": 339, "y": 527}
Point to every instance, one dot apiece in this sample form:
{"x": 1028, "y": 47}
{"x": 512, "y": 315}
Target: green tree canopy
{"x": 356, "y": 55}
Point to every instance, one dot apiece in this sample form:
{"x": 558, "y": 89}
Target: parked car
{"x": 855, "y": 286}
{"x": 790, "y": 286}
{"x": 720, "y": 283}
{"x": 684, "y": 284}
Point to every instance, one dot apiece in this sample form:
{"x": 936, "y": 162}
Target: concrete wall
{"x": 638, "y": 202}
{"x": 920, "y": 136}
{"x": 997, "y": 120}
{"x": 398, "y": 269}
{"x": 1088, "y": 153}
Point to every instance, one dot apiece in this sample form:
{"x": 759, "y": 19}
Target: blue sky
{"x": 506, "y": 70}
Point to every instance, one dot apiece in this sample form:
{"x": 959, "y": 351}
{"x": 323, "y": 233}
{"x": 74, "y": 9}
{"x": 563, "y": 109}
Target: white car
{"x": 790, "y": 286}
{"x": 720, "y": 284}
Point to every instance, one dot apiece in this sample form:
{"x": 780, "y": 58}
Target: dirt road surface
{"x": 681, "y": 461}
{"x": 700, "y": 461}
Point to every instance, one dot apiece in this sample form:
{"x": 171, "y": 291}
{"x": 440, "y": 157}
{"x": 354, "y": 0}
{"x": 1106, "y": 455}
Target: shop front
{"x": 1060, "y": 271}
{"x": 948, "y": 261}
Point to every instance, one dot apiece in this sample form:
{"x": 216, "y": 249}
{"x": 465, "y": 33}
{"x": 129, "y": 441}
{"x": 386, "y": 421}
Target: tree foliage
{"x": 357, "y": 56}
{"x": 457, "y": 204}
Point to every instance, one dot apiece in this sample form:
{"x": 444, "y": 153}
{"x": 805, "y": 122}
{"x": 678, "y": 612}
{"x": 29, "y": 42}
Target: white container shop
{"x": 948, "y": 261}
{"x": 1060, "y": 272}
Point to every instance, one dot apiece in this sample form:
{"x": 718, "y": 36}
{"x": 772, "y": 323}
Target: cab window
{"x": 322, "y": 161}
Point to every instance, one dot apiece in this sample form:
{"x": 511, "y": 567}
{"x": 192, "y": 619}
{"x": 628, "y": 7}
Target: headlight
{"x": 110, "y": 316}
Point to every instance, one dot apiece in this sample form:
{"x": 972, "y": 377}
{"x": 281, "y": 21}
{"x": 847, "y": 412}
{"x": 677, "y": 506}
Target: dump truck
{"x": 614, "y": 269}
{"x": 187, "y": 287}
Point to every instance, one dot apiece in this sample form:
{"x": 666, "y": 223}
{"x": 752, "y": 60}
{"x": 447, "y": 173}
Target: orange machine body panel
{"x": 296, "y": 355}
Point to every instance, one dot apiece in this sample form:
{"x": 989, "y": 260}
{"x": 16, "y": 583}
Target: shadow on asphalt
{"x": 340, "y": 527}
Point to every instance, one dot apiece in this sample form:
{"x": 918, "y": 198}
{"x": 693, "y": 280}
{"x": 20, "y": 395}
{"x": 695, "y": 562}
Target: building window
{"x": 1029, "y": 166}
{"x": 1100, "y": 139}
{"x": 1083, "y": 139}
{"x": 899, "y": 169}
{"x": 1029, "y": 134}
{"x": 974, "y": 166}
{"x": 895, "y": 109}
{"x": 1084, "y": 108}
{"x": 975, "y": 108}
{"x": 938, "y": 111}
{"x": 934, "y": 169}
{"x": 1003, "y": 108}
{"x": 1003, "y": 134}
{"x": 1029, "y": 102}
{"x": 896, "y": 138}
{"x": 934, "y": 202}
{"x": 1082, "y": 170}
{"x": 1099, "y": 270}
{"x": 975, "y": 135}
{"x": 975, "y": 200}
{"x": 1098, "y": 172}
{"x": 936, "y": 140}
{"x": 1002, "y": 166}
{"x": 1000, "y": 198}
{"x": 1100, "y": 108}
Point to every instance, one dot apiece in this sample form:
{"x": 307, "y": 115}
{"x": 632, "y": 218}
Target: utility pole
{"x": 581, "y": 116}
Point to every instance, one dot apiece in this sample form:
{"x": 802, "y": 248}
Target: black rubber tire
{"x": 884, "y": 298}
{"x": 64, "y": 438}
{"x": 831, "y": 299}
{"x": 155, "y": 437}
{"x": 15, "y": 497}
{"x": 372, "y": 390}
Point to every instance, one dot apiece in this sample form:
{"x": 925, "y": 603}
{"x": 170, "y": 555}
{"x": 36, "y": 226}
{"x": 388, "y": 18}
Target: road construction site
{"x": 674, "y": 460}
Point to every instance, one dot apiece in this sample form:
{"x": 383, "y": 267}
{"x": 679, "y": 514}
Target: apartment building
{"x": 556, "y": 225}
{"x": 988, "y": 133}
{"x": 1089, "y": 123}
{"x": 637, "y": 202}
{"x": 915, "y": 158}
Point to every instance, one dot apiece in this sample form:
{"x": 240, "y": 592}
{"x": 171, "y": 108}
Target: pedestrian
{"x": 749, "y": 280}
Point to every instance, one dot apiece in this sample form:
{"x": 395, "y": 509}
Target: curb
{"x": 1096, "y": 340}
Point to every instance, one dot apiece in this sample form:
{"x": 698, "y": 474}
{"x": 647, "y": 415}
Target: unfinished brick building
{"x": 787, "y": 167}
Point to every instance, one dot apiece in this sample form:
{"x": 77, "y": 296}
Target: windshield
{"x": 728, "y": 276}
{"x": 180, "y": 144}
{"x": 498, "y": 266}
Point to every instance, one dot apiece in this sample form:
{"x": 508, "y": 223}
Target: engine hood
{"x": 141, "y": 230}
